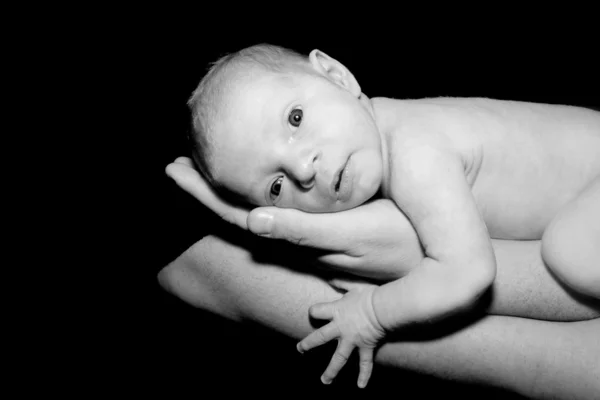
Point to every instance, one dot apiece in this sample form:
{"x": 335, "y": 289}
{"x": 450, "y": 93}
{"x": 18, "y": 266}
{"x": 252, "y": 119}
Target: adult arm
{"x": 535, "y": 358}
{"x": 377, "y": 239}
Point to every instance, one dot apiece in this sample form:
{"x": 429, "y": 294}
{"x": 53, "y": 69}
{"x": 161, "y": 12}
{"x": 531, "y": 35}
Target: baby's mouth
{"x": 337, "y": 182}
{"x": 339, "y": 179}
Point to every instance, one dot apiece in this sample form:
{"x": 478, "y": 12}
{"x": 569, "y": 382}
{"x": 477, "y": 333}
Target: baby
{"x": 273, "y": 127}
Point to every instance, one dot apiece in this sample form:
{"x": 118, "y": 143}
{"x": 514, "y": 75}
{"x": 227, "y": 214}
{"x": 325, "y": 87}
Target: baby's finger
{"x": 318, "y": 337}
{"x": 348, "y": 284}
{"x": 321, "y": 311}
{"x": 365, "y": 366}
{"x": 339, "y": 359}
{"x": 341, "y": 261}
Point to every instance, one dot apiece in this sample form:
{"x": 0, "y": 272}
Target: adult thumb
{"x": 298, "y": 227}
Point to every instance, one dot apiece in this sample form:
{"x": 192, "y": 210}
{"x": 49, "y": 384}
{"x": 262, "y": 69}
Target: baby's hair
{"x": 210, "y": 95}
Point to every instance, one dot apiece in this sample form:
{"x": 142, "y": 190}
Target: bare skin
{"x": 537, "y": 359}
{"x": 524, "y": 162}
{"x": 464, "y": 171}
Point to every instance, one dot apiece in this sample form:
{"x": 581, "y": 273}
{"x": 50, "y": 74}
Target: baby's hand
{"x": 354, "y": 324}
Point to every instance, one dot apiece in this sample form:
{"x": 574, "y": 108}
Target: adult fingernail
{"x": 325, "y": 380}
{"x": 263, "y": 223}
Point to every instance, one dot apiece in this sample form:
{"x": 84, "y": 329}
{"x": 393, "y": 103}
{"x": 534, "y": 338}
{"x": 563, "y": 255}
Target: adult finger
{"x": 185, "y": 161}
{"x": 365, "y": 366}
{"x": 190, "y": 180}
{"x": 319, "y": 337}
{"x": 318, "y": 230}
{"x": 338, "y": 360}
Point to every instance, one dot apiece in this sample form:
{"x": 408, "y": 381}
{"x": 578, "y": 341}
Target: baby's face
{"x": 298, "y": 142}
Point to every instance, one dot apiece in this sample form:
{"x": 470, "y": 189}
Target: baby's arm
{"x": 429, "y": 185}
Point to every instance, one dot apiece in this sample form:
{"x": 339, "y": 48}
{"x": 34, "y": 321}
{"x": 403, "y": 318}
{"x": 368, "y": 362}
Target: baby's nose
{"x": 306, "y": 172}
{"x": 307, "y": 183}
{"x": 306, "y": 175}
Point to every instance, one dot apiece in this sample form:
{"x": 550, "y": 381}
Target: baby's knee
{"x": 571, "y": 249}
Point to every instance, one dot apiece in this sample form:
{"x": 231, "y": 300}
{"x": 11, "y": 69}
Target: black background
{"x": 153, "y": 342}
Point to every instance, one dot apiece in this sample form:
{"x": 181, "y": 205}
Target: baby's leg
{"x": 571, "y": 243}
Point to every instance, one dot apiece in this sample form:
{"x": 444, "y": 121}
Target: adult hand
{"x": 182, "y": 171}
{"x": 373, "y": 240}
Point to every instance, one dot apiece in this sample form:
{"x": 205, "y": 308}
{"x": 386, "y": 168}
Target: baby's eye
{"x": 295, "y": 117}
{"x": 276, "y": 189}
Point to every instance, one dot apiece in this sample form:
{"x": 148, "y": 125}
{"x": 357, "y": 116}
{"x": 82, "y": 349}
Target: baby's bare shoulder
{"x": 440, "y": 121}
{"x": 439, "y": 125}
{"x": 468, "y": 124}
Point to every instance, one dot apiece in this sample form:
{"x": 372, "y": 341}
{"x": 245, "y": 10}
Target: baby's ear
{"x": 334, "y": 70}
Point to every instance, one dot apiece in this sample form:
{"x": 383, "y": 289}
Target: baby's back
{"x": 524, "y": 161}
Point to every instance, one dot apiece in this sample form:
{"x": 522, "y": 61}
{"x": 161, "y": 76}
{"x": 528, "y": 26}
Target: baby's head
{"x": 274, "y": 127}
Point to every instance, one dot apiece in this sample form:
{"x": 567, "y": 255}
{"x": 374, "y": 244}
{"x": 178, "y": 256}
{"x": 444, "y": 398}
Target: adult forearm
{"x": 524, "y": 287}
{"x": 527, "y": 356}
{"x": 225, "y": 279}
{"x": 538, "y": 359}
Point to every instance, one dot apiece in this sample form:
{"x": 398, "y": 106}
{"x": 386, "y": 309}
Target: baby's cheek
{"x": 367, "y": 188}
